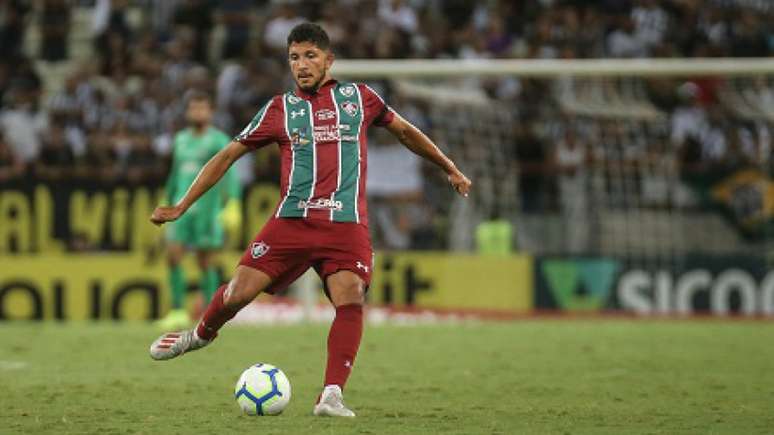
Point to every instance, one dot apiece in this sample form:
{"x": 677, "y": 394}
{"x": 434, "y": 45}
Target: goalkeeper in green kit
{"x": 202, "y": 227}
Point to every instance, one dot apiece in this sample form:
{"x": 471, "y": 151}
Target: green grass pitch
{"x": 531, "y": 376}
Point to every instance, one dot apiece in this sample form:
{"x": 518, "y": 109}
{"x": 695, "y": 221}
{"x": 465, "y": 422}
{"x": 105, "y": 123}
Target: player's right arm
{"x": 212, "y": 171}
{"x": 262, "y": 130}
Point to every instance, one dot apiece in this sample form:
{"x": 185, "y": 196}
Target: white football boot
{"x": 173, "y": 344}
{"x": 331, "y": 403}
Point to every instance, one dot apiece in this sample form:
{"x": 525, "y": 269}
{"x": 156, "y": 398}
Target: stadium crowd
{"x": 113, "y": 117}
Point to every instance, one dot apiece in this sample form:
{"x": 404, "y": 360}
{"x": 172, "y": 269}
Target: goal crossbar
{"x": 418, "y": 68}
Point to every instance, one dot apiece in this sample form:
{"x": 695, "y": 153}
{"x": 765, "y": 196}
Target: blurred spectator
{"x": 749, "y": 39}
{"x": 571, "y": 161}
{"x": 11, "y": 166}
{"x": 277, "y": 29}
{"x": 111, "y": 33}
{"x": 57, "y": 160}
{"x": 55, "y": 29}
{"x": 237, "y": 20}
{"x": 195, "y": 17}
{"x": 13, "y": 24}
{"x": 398, "y": 15}
{"x": 532, "y": 159}
{"x": 624, "y": 42}
{"x": 22, "y": 124}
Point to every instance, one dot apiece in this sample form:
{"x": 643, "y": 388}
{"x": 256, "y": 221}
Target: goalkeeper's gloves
{"x": 231, "y": 216}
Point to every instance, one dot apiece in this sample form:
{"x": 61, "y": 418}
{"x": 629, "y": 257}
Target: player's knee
{"x": 347, "y": 292}
{"x": 235, "y": 295}
{"x": 173, "y": 258}
{"x": 203, "y": 261}
{"x": 244, "y": 287}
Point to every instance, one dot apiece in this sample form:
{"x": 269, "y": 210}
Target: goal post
{"x": 660, "y": 143}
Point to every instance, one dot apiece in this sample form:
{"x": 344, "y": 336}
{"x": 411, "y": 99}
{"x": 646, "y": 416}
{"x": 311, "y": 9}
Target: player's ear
{"x": 329, "y": 58}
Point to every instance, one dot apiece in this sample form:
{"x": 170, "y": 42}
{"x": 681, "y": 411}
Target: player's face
{"x": 199, "y": 112}
{"x": 309, "y": 64}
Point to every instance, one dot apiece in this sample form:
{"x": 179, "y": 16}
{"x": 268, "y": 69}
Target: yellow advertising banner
{"x": 134, "y": 286}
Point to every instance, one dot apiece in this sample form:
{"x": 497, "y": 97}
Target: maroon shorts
{"x": 286, "y": 247}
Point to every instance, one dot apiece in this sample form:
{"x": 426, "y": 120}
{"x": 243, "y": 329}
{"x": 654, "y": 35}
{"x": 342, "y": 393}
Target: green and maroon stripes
{"x": 299, "y": 128}
{"x": 254, "y": 123}
{"x": 349, "y": 111}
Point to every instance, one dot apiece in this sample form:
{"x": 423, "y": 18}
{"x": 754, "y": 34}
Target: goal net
{"x": 638, "y": 159}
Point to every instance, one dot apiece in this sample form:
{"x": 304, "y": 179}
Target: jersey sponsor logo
{"x": 347, "y": 91}
{"x": 324, "y": 114}
{"x": 349, "y": 107}
{"x": 296, "y": 113}
{"x": 258, "y": 249}
{"x": 326, "y": 133}
{"x": 321, "y": 204}
{"x": 298, "y": 137}
{"x": 344, "y": 127}
{"x": 348, "y": 138}
{"x": 292, "y": 99}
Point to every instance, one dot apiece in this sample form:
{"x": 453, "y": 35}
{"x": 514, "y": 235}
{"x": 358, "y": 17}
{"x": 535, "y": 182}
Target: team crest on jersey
{"x": 259, "y": 249}
{"x": 298, "y": 137}
{"x": 347, "y": 91}
{"x": 349, "y": 108}
{"x": 292, "y": 99}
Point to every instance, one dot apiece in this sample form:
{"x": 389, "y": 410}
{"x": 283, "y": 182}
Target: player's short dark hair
{"x": 198, "y": 96}
{"x": 309, "y": 32}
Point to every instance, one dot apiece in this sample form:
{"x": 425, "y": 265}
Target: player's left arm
{"x": 421, "y": 145}
{"x": 210, "y": 174}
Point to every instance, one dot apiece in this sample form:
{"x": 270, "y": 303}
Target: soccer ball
{"x": 262, "y": 390}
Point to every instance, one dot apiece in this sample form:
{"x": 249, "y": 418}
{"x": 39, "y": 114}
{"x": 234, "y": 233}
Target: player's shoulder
{"x": 182, "y": 134}
{"x": 367, "y": 91}
{"x": 219, "y": 134}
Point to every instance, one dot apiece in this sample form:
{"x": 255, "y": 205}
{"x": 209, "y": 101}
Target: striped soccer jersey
{"x": 322, "y": 140}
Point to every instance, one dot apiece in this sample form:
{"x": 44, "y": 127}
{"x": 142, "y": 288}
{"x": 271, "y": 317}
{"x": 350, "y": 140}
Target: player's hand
{"x": 460, "y": 182}
{"x": 165, "y": 214}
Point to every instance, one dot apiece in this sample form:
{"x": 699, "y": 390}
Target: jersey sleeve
{"x": 264, "y": 127}
{"x": 376, "y": 111}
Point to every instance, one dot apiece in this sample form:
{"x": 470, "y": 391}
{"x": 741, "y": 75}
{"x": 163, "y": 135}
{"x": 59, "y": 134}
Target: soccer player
{"x": 201, "y": 228}
{"x": 321, "y": 219}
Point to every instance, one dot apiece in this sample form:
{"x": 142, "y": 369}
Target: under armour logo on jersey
{"x": 348, "y": 364}
{"x": 259, "y": 249}
{"x": 295, "y": 113}
{"x": 360, "y": 265}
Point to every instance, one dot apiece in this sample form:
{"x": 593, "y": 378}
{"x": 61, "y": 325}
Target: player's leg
{"x": 209, "y": 237}
{"x": 246, "y": 284}
{"x": 344, "y": 263}
{"x": 208, "y": 283}
{"x": 178, "y": 234}
{"x": 272, "y": 261}
{"x": 347, "y": 293}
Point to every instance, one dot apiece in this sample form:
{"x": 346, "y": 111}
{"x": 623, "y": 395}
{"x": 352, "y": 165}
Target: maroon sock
{"x": 343, "y": 343}
{"x": 215, "y": 316}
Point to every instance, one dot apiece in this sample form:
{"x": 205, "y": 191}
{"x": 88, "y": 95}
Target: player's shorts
{"x": 202, "y": 230}
{"x": 286, "y": 247}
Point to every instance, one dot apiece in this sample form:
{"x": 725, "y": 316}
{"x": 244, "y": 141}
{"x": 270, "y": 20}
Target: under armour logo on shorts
{"x": 259, "y": 249}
